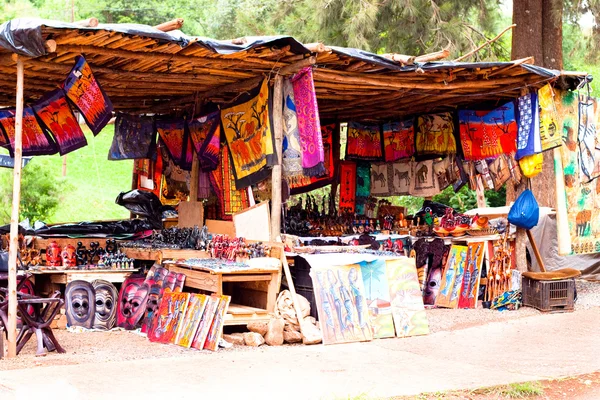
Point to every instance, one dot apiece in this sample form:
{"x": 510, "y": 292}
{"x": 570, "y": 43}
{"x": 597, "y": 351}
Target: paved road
{"x": 537, "y": 347}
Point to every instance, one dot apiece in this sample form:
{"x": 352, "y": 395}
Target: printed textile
{"x": 134, "y": 137}
{"x": 587, "y": 136}
{"x": 500, "y": 170}
{"x": 364, "y": 142}
{"x": 247, "y": 129}
{"x": 309, "y": 126}
{"x": 204, "y": 186}
{"x": 424, "y": 183}
{"x": 549, "y": 132}
{"x": 435, "y": 135}
{"x": 54, "y": 112}
{"x": 292, "y": 149}
{"x": 36, "y": 142}
{"x": 85, "y": 92}
{"x": 399, "y": 140}
{"x": 347, "y": 187}
{"x": 363, "y": 185}
{"x": 528, "y": 117}
{"x": 205, "y": 134}
{"x": 222, "y": 180}
{"x": 402, "y": 177}
{"x": 172, "y": 133}
{"x": 381, "y": 182}
{"x": 175, "y": 182}
{"x": 485, "y": 134}
{"x": 443, "y": 171}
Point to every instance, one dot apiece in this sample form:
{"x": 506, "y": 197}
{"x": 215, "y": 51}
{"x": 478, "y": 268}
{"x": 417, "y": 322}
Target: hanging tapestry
{"x": 307, "y": 116}
{"x": 443, "y": 171}
{"x": 500, "y": 170}
{"x": 459, "y": 172}
{"x": 435, "y": 135}
{"x": 36, "y": 142}
{"x": 399, "y": 140}
{"x": 347, "y": 187}
{"x": 55, "y": 113}
{"x": 172, "y": 133}
{"x": 424, "y": 183}
{"x": 364, "y": 142}
{"x": 381, "y": 182}
{"x": 205, "y": 134}
{"x": 85, "y": 92}
{"x": 134, "y": 137}
{"x": 587, "y": 136}
{"x": 247, "y": 128}
{"x": 143, "y": 166}
{"x": 402, "y": 177}
{"x": 204, "y": 186}
{"x": 549, "y": 132}
{"x": 175, "y": 182}
{"x": 363, "y": 185}
{"x": 528, "y": 117}
{"x": 485, "y": 134}
{"x": 568, "y": 117}
{"x": 230, "y": 200}
{"x": 292, "y": 149}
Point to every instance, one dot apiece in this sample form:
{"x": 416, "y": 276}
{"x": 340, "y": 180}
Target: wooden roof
{"x": 144, "y": 70}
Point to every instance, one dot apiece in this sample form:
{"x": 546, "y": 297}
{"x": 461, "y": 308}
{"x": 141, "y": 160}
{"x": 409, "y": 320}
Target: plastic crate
{"x": 549, "y": 296}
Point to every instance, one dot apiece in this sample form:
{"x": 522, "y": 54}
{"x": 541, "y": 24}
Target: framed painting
{"x": 168, "y": 317}
{"x": 470, "y": 284}
{"x": 216, "y": 328}
{"x": 378, "y": 300}
{"x": 191, "y": 320}
{"x": 452, "y": 277}
{"x": 205, "y": 322}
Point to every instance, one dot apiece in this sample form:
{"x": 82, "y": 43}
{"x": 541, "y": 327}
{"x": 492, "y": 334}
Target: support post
{"x": 276, "y": 173}
{"x": 14, "y": 218}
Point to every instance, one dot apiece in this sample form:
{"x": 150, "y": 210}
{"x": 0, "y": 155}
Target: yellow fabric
{"x": 531, "y": 165}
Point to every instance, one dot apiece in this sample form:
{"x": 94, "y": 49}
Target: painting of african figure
{"x": 168, "y": 317}
{"x": 341, "y": 304}
{"x": 470, "y": 284}
{"x": 452, "y": 277}
{"x": 191, "y": 320}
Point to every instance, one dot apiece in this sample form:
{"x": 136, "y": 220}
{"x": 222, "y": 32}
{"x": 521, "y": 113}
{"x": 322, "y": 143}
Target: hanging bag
{"x": 525, "y": 212}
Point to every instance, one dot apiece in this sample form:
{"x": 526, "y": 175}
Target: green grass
{"x": 522, "y": 390}
{"x": 92, "y": 181}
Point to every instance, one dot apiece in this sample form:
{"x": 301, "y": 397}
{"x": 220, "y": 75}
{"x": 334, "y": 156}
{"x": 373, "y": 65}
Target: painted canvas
{"x": 341, "y": 304}
{"x": 500, "y": 170}
{"x": 452, "y": 277}
{"x": 399, "y": 140}
{"x": 402, "y": 177}
{"x": 435, "y": 135}
{"x": 485, "y": 134}
{"x": 363, "y": 185}
{"x": 134, "y": 137}
{"x": 443, "y": 172}
{"x": 424, "y": 183}
{"x": 172, "y": 134}
{"x": 549, "y": 131}
{"x": 191, "y": 320}
{"x": 377, "y": 296}
{"x": 216, "y": 328}
{"x": 364, "y": 142}
{"x": 347, "y": 186}
{"x": 36, "y": 142}
{"x": 205, "y": 322}
{"x": 168, "y": 317}
{"x": 408, "y": 310}
{"x": 381, "y": 182}
{"x": 472, "y": 275}
{"x": 85, "y": 92}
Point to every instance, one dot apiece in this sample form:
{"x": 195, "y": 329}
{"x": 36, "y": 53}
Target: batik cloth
{"x": 309, "y": 125}
{"x": 135, "y": 137}
{"x": 292, "y": 149}
{"x": 205, "y": 134}
{"x": 424, "y": 183}
{"x": 435, "y": 135}
{"x": 549, "y": 132}
{"x": 402, "y": 177}
{"x": 528, "y": 119}
{"x": 363, "y": 185}
{"x": 247, "y": 129}
{"x": 347, "y": 187}
{"x": 85, "y": 93}
{"x": 443, "y": 171}
{"x": 56, "y": 115}
{"x": 36, "y": 141}
{"x": 587, "y": 136}
{"x": 204, "y": 186}
{"x": 399, "y": 140}
{"x": 172, "y": 133}
{"x": 500, "y": 170}
{"x": 459, "y": 172}
{"x": 222, "y": 180}
{"x": 381, "y": 179}
{"x": 485, "y": 134}
{"x": 364, "y": 142}
{"x": 175, "y": 181}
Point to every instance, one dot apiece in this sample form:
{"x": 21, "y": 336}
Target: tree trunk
{"x": 527, "y": 39}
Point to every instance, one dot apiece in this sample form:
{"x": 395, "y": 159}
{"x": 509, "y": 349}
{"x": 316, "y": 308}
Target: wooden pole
{"x": 480, "y": 193}
{"x": 276, "y": 172}
{"x": 14, "y": 218}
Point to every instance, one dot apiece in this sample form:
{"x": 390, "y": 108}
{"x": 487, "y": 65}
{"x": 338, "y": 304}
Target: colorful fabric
{"x": 381, "y": 179}
{"x": 402, "y": 177}
{"x": 172, "y": 133}
{"x": 399, "y": 140}
{"x": 435, "y": 135}
{"x": 486, "y": 134}
{"x": 528, "y": 117}
{"x": 364, "y": 142}
{"x": 247, "y": 129}
{"x": 36, "y": 141}
{"x": 587, "y": 136}
{"x": 54, "y": 112}
{"x": 568, "y": 117}
{"x": 459, "y": 172}
{"x": 424, "y": 183}
{"x": 135, "y": 137}
{"x": 204, "y": 186}
{"x": 500, "y": 170}
{"x": 292, "y": 149}
{"x": 549, "y": 132}
{"x": 142, "y": 166}
{"x": 205, "y": 134}
{"x": 222, "y": 180}
{"x": 347, "y": 187}
{"x": 309, "y": 126}
{"x": 174, "y": 182}
{"x": 443, "y": 172}
{"x": 363, "y": 185}
{"x": 85, "y": 93}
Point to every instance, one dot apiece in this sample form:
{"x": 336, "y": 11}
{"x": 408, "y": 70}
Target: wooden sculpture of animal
{"x": 582, "y": 221}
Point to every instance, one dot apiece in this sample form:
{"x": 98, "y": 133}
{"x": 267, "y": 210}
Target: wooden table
{"x": 47, "y": 281}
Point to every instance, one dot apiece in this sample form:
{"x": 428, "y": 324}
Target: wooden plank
{"x": 220, "y": 227}
{"x": 276, "y": 171}
{"x": 184, "y": 254}
{"x": 58, "y": 278}
{"x": 253, "y": 223}
{"x": 191, "y": 214}
{"x": 536, "y": 251}
{"x": 141, "y": 254}
{"x": 246, "y": 278}
{"x": 241, "y": 309}
{"x": 198, "y": 279}
{"x": 274, "y": 286}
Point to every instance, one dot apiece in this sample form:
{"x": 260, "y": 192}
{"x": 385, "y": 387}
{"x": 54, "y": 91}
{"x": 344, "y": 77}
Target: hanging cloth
{"x": 135, "y": 137}
{"x": 172, "y": 133}
{"x": 435, "y": 135}
{"x": 309, "y": 125}
{"x": 381, "y": 179}
{"x": 347, "y": 187}
{"x": 205, "y": 134}
{"x": 222, "y": 180}
{"x": 292, "y": 149}
{"x": 36, "y": 141}
{"x": 424, "y": 183}
{"x": 402, "y": 177}
{"x": 364, "y": 142}
{"x": 399, "y": 140}
{"x": 550, "y": 135}
{"x": 363, "y": 185}
{"x": 527, "y": 115}
{"x": 587, "y": 136}
{"x": 175, "y": 181}
{"x": 86, "y": 94}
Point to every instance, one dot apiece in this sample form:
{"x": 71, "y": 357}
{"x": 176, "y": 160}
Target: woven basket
{"x": 482, "y": 232}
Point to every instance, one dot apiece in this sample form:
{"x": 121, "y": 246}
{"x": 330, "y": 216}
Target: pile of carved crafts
{"x": 215, "y": 264}
{"x": 307, "y": 218}
{"x": 237, "y": 249}
{"x": 81, "y": 257}
{"x": 155, "y": 303}
{"x": 174, "y": 238}
{"x": 456, "y": 225}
